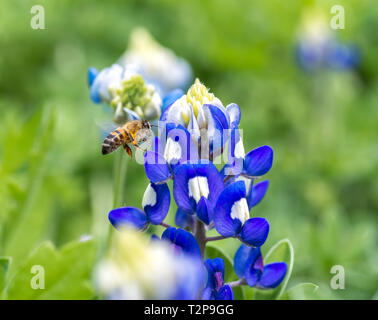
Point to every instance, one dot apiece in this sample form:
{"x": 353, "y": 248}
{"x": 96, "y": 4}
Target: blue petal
{"x": 224, "y": 223}
{"x": 156, "y": 145}
{"x": 128, "y": 216}
{"x": 154, "y": 237}
{"x": 213, "y": 266}
{"x": 95, "y": 94}
{"x": 181, "y": 188}
{"x": 273, "y": 275}
{"x": 225, "y": 293}
{"x": 156, "y": 167}
{"x": 189, "y": 278}
{"x": 244, "y": 257}
{"x": 172, "y": 114}
{"x": 204, "y": 211}
{"x": 184, "y": 220}
{"x": 257, "y": 193}
{"x": 255, "y": 268}
{"x": 99, "y": 90}
{"x": 171, "y": 97}
{"x": 160, "y": 196}
{"x": 340, "y": 56}
{"x": 208, "y": 294}
{"x": 184, "y": 240}
{"x": 223, "y": 172}
{"x": 234, "y": 113}
{"x": 307, "y": 56}
{"x": 218, "y": 123}
{"x": 220, "y": 117}
{"x": 235, "y": 158}
{"x": 92, "y": 74}
{"x": 252, "y": 277}
{"x": 255, "y": 231}
{"x": 177, "y": 144}
{"x": 184, "y": 175}
{"x": 131, "y": 115}
{"x": 258, "y": 161}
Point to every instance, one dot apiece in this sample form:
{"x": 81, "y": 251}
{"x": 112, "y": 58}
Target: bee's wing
{"x": 105, "y": 128}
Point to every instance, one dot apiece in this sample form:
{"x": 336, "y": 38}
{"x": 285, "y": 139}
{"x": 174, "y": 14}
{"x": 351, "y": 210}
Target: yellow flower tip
{"x": 185, "y": 117}
{"x": 198, "y": 94}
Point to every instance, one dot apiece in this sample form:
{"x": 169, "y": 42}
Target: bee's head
{"x": 146, "y": 124}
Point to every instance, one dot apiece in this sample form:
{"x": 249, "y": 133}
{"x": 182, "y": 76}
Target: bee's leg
{"x": 137, "y": 146}
{"x": 128, "y": 150}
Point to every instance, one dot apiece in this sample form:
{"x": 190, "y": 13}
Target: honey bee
{"x": 133, "y": 132}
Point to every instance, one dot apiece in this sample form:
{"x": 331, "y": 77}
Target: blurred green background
{"x": 56, "y": 185}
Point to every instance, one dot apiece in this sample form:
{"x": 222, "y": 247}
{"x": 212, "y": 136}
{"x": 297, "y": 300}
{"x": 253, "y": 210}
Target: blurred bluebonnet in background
{"x": 319, "y": 47}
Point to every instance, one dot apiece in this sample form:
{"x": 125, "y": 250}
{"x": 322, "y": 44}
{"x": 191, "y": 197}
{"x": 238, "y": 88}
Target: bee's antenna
{"x": 154, "y": 125}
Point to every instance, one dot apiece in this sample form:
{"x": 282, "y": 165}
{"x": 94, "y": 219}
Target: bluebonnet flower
{"x": 196, "y": 188}
{"x": 206, "y": 198}
{"x": 248, "y": 264}
{"x": 144, "y": 82}
{"x": 254, "y": 192}
{"x": 216, "y": 289}
{"x": 182, "y": 241}
{"x": 157, "y": 64}
{"x": 156, "y": 201}
{"x": 124, "y": 89}
{"x": 330, "y": 54}
{"x": 170, "y": 150}
{"x": 250, "y": 167}
{"x": 205, "y": 117}
{"x": 139, "y": 269}
{"x": 232, "y": 218}
{"x": 318, "y": 48}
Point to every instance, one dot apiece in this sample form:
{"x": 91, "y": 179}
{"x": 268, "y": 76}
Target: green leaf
{"x": 238, "y": 293}
{"x": 14, "y": 154}
{"x": 302, "y": 291}
{"x": 282, "y": 251}
{"x": 249, "y": 293}
{"x": 211, "y": 252}
{"x": 4, "y": 266}
{"x": 66, "y": 273}
{"x": 31, "y": 216}
{"x": 101, "y": 201}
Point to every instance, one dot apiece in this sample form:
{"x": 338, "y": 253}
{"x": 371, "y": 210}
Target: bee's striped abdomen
{"x": 114, "y": 140}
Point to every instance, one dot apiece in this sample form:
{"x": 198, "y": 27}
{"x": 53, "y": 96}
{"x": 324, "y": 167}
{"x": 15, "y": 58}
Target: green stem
{"x": 237, "y": 283}
{"x": 200, "y": 235}
{"x": 120, "y": 165}
{"x": 216, "y": 238}
{"x": 165, "y": 225}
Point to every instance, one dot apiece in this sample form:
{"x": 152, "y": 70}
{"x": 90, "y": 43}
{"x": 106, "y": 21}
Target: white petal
{"x": 247, "y": 182}
{"x": 149, "y": 197}
{"x": 172, "y": 150}
{"x": 153, "y": 109}
{"x": 198, "y": 187}
{"x": 239, "y": 149}
{"x": 201, "y": 119}
{"x": 240, "y": 210}
{"x": 174, "y": 113}
{"x": 193, "y": 127}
